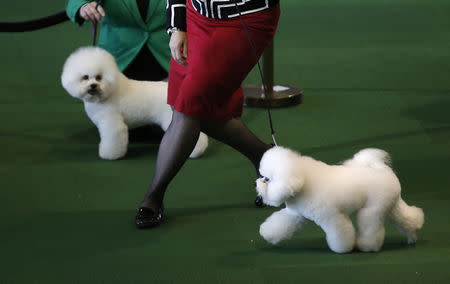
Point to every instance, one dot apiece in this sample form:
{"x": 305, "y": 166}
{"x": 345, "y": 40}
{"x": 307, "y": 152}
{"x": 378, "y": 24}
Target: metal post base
{"x": 282, "y": 96}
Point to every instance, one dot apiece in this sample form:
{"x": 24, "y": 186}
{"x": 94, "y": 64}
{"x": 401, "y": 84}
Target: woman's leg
{"x": 179, "y": 141}
{"x": 176, "y": 146}
{"x": 236, "y": 134}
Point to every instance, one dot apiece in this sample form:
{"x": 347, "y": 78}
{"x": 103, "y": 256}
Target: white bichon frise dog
{"x": 115, "y": 103}
{"x": 328, "y": 194}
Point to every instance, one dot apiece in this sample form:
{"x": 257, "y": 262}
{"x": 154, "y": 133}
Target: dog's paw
{"x": 281, "y": 225}
{"x": 111, "y": 152}
{"x": 267, "y": 231}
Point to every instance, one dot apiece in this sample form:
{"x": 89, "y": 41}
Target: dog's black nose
{"x": 93, "y": 86}
{"x": 259, "y": 201}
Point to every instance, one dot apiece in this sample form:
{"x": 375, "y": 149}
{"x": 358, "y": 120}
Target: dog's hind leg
{"x": 340, "y": 233}
{"x": 370, "y": 229}
{"x": 407, "y": 219}
{"x": 281, "y": 225}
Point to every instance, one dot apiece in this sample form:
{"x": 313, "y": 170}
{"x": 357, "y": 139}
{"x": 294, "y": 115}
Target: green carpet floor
{"x": 374, "y": 74}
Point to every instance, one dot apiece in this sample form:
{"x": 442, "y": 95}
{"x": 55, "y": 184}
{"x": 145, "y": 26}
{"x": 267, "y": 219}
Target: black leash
{"x": 45, "y": 22}
{"x": 35, "y": 24}
{"x": 94, "y": 25}
{"x": 272, "y": 131}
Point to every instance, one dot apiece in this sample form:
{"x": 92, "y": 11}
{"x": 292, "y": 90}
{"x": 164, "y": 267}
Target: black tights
{"x": 179, "y": 141}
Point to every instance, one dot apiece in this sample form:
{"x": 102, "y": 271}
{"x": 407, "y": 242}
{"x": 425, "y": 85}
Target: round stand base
{"x": 283, "y": 96}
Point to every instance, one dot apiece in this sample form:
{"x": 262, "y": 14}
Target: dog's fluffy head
{"x": 280, "y": 169}
{"x": 90, "y": 74}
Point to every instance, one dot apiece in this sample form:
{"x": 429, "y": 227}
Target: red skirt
{"x": 219, "y": 59}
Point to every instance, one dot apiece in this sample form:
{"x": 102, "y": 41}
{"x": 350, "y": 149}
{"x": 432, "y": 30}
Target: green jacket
{"x": 123, "y": 31}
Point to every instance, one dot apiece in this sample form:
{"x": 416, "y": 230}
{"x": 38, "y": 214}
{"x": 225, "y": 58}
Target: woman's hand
{"x": 178, "y": 47}
{"x": 89, "y": 13}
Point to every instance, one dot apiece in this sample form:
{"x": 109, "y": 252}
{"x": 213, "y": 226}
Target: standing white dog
{"x": 328, "y": 194}
{"x": 115, "y": 103}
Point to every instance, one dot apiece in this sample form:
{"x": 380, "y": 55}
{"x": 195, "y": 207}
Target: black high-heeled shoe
{"x": 149, "y": 218}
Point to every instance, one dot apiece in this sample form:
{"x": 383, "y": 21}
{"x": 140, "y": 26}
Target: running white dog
{"x": 328, "y": 194}
{"x": 115, "y": 103}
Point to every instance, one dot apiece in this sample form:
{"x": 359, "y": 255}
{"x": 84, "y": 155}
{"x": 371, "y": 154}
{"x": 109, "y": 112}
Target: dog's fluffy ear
{"x": 294, "y": 183}
{"x": 279, "y": 190}
{"x": 69, "y": 80}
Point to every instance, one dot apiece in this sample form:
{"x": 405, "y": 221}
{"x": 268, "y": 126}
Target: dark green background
{"x": 374, "y": 74}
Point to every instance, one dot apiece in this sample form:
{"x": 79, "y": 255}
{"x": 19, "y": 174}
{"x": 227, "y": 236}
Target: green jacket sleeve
{"x": 72, "y": 7}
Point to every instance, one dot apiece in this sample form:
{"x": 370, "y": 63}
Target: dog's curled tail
{"x": 370, "y": 157}
{"x": 407, "y": 219}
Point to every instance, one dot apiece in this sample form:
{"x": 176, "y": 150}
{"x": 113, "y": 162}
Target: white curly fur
{"x": 328, "y": 194}
{"x": 116, "y": 103}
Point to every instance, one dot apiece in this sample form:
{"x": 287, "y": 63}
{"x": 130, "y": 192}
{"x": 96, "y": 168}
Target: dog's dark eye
{"x": 85, "y": 77}
{"x": 98, "y": 77}
{"x": 266, "y": 179}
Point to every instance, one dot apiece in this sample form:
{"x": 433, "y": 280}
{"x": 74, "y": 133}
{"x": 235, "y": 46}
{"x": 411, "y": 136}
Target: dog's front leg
{"x": 113, "y": 138}
{"x": 281, "y": 225}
